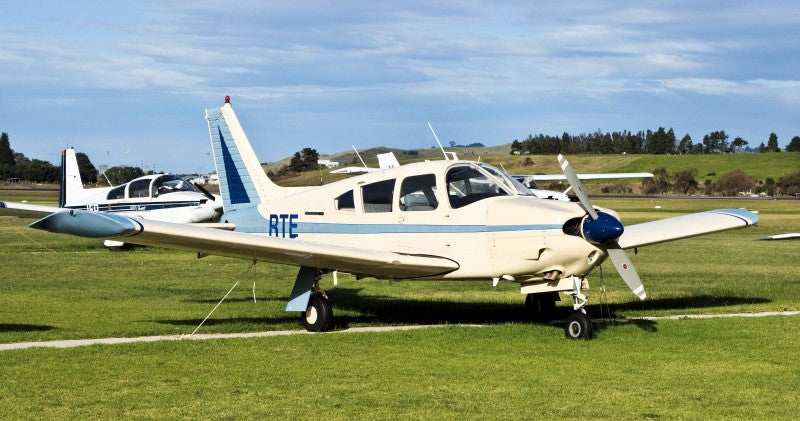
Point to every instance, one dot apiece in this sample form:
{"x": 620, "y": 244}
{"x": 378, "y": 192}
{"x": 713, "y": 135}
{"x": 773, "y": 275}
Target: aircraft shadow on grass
{"x": 22, "y": 327}
{"x": 231, "y": 320}
{"x": 393, "y": 310}
{"x": 236, "y": 300}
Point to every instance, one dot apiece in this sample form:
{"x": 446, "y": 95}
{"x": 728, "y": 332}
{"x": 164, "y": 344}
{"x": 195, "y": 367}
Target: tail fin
{"x": 242, "y": 180}
{"x": 71, "y": 187}
{"x": 387, "y": 160}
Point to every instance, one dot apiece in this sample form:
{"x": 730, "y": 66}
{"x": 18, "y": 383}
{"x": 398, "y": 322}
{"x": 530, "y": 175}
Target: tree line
{"x": 684, "y": 182}
{"x": 15, "y": 165}
{"x": 660, "y": 142}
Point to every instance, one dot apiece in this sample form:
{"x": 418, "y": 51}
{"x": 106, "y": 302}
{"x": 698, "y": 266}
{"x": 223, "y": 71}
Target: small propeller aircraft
{"x": 161, "y": 197}
{"x": 437, "y": 220}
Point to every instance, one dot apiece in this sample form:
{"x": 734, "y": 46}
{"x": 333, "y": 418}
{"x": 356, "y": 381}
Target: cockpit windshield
{"x": 508, "y": 181}
{"x": 169, "y": 184}
{"x": 467, "y": 184}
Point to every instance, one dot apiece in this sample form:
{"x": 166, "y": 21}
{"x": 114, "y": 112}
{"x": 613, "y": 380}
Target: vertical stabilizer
{"x": 71, "y": 186}
{"x": 387, "y": 160}
{"x": 242, "y": 180}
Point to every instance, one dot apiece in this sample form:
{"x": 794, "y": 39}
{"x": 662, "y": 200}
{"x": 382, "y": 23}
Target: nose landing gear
{"x": 578, "y": 325}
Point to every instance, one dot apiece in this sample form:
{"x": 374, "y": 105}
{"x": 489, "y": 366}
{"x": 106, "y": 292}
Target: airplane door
{"x": 420, "y": 215}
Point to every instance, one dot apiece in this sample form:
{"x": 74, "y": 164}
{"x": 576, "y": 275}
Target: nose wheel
{"x": 578, "y": 326}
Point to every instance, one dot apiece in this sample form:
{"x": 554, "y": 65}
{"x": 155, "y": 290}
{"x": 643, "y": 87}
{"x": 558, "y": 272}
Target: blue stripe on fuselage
{"x": 131, "y": 207}
{"x": 328, "y": 228}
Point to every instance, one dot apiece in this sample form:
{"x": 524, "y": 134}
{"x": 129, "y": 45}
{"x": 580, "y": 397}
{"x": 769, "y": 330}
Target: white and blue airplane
{"x": 437, "y": 220}
{"x": 161, "y": 197}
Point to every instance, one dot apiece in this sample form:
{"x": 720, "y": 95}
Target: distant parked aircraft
{"x": 160, "y": 197}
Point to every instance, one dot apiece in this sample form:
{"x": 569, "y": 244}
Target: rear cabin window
{"x": 116, "y": 193}
{"x": 378, "y": 196}
{"x": 139, "y": 188}
{"x": 418, "y": 193}
{"x": 346, "y": 202}
{"x": 467, "y": 185}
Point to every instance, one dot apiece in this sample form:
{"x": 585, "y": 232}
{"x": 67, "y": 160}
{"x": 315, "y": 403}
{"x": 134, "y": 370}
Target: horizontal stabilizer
{"x": 685, "y": 226}
{"x": 380, "y": 264}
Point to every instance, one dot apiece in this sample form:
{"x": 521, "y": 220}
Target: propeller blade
{"x": 577, "y": 187}
{"x": 625, "y": 269}
{"x": 204, "y": 191}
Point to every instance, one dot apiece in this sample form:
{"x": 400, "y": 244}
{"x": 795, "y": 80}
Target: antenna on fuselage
{"x": 440, "y": 143}
{"x": 359, "y": 156}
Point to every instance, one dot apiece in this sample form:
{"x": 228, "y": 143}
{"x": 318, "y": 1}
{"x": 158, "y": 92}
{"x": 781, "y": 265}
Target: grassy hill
{"x": 758, "y": 165}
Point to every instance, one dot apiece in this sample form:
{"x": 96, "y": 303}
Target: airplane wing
{"x": 25, "y": 210}
{"x": 789, "y": 236}
{"x": 598, "y": 176}
{"x": 380, "y": 264}
{"x": 685, "y": 226}
{"x": 351, "y": 170}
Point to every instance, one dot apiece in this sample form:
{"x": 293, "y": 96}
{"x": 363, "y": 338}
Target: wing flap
{"x": 685, "y": 226}
{"x": 380, "y": 264}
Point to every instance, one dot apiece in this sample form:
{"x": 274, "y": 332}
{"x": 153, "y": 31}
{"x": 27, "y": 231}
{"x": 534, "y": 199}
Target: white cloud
{"x": 785, "y": 90}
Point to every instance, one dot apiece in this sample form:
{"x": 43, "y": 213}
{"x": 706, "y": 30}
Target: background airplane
{"x": 162, "y": 197}
{"x": 434, "y": 220}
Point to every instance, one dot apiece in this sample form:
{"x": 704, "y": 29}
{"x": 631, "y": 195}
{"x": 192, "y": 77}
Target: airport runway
{"x": 72, "y": 343}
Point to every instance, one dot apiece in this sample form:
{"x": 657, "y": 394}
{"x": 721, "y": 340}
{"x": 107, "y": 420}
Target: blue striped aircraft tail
{"x": 242, "y": 180}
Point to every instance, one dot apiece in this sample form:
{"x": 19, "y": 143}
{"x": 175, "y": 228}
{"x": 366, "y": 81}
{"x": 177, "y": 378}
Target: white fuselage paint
{"x": 513, "y": 235}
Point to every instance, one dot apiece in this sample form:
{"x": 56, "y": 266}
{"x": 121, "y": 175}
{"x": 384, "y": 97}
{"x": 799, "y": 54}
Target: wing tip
{"x": 748, "y": 217}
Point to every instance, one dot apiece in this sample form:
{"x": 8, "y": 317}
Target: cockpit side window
{"x": 139, "y": 188}
{"x": 345, "y": 201}
{"x": 116, "y": 193}
{"x": 418, "y": 193}
{"x": 466, "y": 185}
{"x": 378, "y": 196}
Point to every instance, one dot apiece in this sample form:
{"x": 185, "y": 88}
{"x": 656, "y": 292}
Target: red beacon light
{"x": 227, "y": 99}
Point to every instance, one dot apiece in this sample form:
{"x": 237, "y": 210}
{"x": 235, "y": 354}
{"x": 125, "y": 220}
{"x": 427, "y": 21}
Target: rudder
{"x": 242, "y": 180}
{"x": 70, "y": 189}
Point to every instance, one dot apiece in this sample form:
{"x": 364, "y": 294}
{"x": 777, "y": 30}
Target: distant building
{"x": 206, "y": 179}
{"x": 328, "y": 163}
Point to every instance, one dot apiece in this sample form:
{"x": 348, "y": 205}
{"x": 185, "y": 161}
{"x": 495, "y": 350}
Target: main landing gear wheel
{"x": 318, "y": 317}
{"x": 541, "y": 306}
{"x": 578, "y": 326}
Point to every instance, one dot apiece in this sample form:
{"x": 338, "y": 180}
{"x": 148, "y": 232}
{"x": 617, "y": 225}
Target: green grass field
{"x": 61, "y": 287}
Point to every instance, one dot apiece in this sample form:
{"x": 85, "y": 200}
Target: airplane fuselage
{"x": 454, "y": 209}
{"x": 148, "y": 197}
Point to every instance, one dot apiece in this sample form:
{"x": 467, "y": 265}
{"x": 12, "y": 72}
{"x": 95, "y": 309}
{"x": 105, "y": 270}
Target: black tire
{"x": 318, "y": 317}
{"x": 578, "y": 326}
{"x": 541, "y": 307}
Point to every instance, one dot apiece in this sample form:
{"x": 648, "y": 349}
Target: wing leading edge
{"x": 26, "y": 210}
{"x": 685, "y": 226}
{"x": 380, "y": 264}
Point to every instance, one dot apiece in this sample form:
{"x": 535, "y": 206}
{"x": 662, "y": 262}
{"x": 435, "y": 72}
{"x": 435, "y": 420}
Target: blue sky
{"x": 127, "y": 82}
